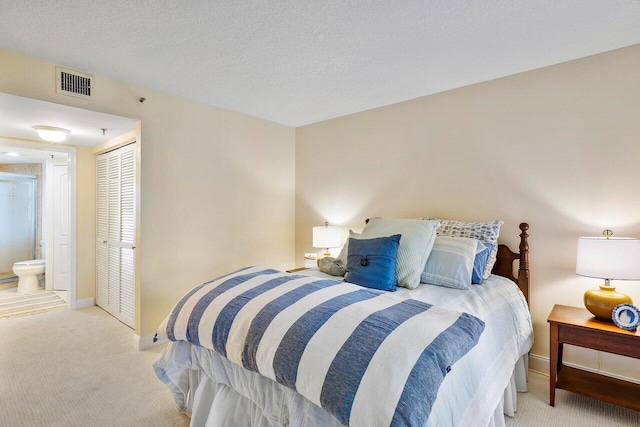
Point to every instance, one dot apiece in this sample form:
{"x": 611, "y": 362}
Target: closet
{"x": 116, "y": 232}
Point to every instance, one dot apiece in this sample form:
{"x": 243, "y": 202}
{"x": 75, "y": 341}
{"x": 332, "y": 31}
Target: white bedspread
{"x": 468, "y": 396}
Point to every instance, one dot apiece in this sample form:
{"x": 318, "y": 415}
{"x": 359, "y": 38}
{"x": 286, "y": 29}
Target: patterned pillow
{"x": 450, "y": 263}
{"x": 345, "y": 249}
{"x": 415, "y": 245}
{"x": 372, "y": 262}
{"x": 484, "y": 231}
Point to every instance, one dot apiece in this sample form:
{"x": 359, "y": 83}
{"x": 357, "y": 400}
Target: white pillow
{"x": 342, "y": 256}
{"x": 450, "y": 263}
{"x": 415, "y": 245}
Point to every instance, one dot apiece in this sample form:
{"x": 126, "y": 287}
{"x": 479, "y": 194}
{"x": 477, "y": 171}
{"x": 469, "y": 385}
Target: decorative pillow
{"x": 482, "y": 257}
{"x": 450, "y": 262}
{"x": 486, "y": 232}
{"x": 372, "y": 262}
{"x": 415, "y": 245}
{"x": 345, "y": 249}
{"x": 332, "y": 266}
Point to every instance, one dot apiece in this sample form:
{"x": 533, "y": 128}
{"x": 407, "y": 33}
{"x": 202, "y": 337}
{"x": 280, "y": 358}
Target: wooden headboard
{"x": 504, "y": 263}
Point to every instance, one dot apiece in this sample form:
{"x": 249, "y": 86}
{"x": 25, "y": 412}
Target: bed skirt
{"x": 217, "y": 393}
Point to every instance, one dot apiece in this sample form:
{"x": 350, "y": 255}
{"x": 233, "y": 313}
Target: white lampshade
{"x": 326, "y": 237}
{"x": 51, "y": 133}
{"x": 612, "y": 258}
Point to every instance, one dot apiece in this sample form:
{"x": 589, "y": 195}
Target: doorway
{"x": 68, "y": 232}
{"x": 38, "y": 157}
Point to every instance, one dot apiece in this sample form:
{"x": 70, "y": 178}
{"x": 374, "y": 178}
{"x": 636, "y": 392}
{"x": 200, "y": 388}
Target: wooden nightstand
{"x": 576, "y": 326}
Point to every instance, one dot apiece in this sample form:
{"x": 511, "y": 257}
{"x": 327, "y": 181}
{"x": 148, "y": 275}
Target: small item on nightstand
{"x": 310, "y": 260}
{"x": 332, "y": 266}
{"x": 626, "y": 316}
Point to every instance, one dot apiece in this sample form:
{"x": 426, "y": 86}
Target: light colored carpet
{"x": 571, "y": 410}
{"x": 13, "y": 304}
{"x": 79, "y": 368}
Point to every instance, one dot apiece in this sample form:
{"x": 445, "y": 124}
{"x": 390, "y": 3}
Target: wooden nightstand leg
{"x": 560, "y": 352}
{"x": 553, "y": 363}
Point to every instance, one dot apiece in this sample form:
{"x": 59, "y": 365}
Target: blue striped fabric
{"x": 202, "y": 304}
{"x": 176, "y": 310}
{"x": 336, "y": 343}
{"x": 432, "y": 364}
{"x": 294, "y": 342}
{"x": 266, "y": 315}
{"x": 349, "y": 365}
{"x": 228, "y": 314}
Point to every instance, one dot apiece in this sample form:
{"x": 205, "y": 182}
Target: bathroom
{"x": 24, "y": 205}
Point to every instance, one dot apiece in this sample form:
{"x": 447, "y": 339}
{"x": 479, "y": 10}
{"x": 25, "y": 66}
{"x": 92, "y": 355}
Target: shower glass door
{"x": 18, "y": 204}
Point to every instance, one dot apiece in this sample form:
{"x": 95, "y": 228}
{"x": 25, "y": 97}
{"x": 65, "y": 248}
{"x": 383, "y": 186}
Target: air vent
{"x": 74, "y": 83}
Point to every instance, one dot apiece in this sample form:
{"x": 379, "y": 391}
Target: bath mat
{"x": 31, "y": 303}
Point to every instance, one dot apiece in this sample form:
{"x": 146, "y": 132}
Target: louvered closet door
{"x": 116, "y": 219}
{"x": 102, "y": 231}
{"x": 127, "y": 233}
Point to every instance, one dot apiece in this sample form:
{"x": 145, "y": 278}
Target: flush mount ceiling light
{"x": 12, "y": 154}
{"x": 51, "y": 133}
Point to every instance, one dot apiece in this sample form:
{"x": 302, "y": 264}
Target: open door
{"x": 58, "y": 241}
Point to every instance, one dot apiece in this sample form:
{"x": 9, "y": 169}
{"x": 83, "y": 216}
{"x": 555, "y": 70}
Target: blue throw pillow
{"x": 480, "y": 263}
{"x": 372, "y": 262}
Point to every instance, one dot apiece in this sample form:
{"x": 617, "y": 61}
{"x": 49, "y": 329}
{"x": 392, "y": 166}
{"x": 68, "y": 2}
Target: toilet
{"x": 28, "y": 273}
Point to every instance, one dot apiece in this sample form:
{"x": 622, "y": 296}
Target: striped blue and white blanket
{"x": 367, "y": 357}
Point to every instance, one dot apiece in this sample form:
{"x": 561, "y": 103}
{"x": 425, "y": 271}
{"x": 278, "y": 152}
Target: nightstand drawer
{"x": 625, "y": 345}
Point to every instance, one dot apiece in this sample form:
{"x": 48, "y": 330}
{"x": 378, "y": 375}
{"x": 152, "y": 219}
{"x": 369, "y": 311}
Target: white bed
{"x": 478, "y": 390}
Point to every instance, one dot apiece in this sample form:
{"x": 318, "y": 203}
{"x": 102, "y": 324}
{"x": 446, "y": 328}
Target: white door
{"x": 115, "y": 232}
{"x": 61, "y": 228}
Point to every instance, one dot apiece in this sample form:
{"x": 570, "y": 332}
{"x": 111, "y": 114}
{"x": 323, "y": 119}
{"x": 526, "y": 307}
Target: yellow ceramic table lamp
{"x": 608, "y": 258}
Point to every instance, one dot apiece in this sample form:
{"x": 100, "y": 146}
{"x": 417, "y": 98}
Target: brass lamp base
{"x": 602, "y": 302}
{"x": 326, "y": 254}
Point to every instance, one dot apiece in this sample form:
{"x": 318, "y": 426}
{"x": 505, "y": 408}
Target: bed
{"x": 218, "y": 387}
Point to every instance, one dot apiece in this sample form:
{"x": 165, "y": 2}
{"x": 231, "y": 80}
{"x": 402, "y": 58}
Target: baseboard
{"x": 145, "y": 342}
{"x": 540, "y": 364}
{"x": 9, "y": 282}
{"x": 84, "y": 303}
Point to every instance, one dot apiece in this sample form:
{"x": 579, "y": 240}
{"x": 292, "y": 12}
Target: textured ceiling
{"x": 299, "y": 62}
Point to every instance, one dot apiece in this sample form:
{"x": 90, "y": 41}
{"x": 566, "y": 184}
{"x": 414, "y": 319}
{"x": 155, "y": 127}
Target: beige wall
{"x": 557, "y": 147}
{"x": 217, "y": 187}
{"x": 85, "y": 223}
